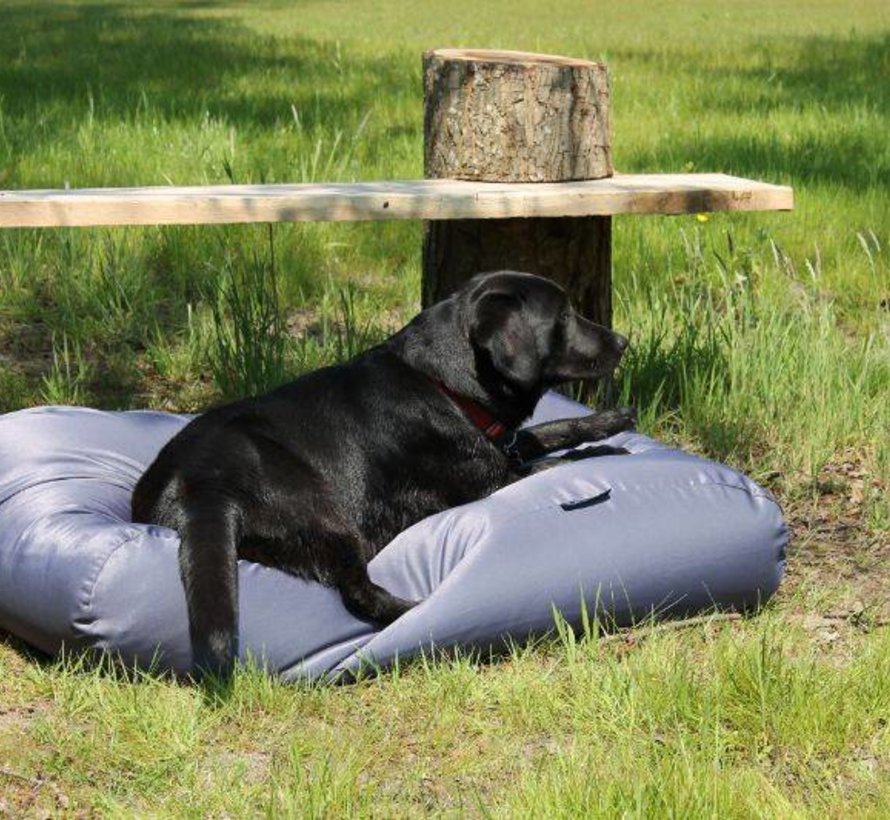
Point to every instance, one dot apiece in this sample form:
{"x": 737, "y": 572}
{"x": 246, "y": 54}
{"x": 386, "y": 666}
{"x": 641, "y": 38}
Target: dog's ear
{"x": 499, "y": 327}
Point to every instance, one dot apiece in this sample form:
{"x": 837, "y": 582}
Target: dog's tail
{"x": 208, "y": 564}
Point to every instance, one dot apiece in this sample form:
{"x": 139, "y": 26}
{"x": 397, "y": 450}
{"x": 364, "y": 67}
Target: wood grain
{"x": 435, "y": 199}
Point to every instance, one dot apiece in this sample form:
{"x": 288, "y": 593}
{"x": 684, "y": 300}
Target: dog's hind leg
{"x": 361, "y": 596}
{"x": 209, "y": 533}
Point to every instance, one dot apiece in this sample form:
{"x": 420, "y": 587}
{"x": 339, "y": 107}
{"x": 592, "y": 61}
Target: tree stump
{"x": 502, "y": 116}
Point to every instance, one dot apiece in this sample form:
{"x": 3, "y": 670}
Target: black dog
{"x": 319, "y": 475}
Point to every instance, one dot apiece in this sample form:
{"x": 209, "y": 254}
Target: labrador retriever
{"x": 319, "y": 475}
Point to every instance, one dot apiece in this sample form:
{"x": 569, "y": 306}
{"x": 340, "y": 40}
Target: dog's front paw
{"x": 626, "y": 419}
{"x": 607, "y": 423}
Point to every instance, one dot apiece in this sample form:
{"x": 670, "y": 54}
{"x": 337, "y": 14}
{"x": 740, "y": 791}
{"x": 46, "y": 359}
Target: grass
{"x": 729, "y": 719}
{"x": 762, "y": 340}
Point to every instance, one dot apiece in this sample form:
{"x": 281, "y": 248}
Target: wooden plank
{"x": 418, "y": 199}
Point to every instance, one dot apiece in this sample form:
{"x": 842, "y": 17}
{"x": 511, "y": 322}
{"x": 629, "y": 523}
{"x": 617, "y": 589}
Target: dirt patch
{"x": 26, "y": 345}
{"x": 22, "y": 793}
{"x": 840, "y": 552}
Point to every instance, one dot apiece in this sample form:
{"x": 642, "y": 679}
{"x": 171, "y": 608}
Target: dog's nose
{"x": 620, "y": 342}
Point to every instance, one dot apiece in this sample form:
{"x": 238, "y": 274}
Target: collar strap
{"x": 476, "y": 413}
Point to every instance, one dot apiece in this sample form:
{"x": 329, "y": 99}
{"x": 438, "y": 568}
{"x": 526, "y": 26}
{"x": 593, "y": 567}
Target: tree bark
{"x": 501, "y": 116}
{"x": 516, "y": 117}
{"x": 574, "y": 251}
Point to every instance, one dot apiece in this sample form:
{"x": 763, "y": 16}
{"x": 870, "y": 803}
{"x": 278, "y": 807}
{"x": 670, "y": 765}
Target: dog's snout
{"x": 620, "y": 342}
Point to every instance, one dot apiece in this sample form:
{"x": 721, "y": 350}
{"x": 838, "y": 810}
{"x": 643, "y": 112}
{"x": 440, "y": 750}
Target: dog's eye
{"x": 565, "y": 316}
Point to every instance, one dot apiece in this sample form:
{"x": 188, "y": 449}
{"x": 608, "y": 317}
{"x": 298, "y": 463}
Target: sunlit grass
{"x": 737, "y": 719}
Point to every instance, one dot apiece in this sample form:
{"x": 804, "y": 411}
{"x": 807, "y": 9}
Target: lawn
{"x": 762, "y": 340}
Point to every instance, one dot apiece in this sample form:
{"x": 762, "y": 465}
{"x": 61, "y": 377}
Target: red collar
{"x": 475, "y": 412}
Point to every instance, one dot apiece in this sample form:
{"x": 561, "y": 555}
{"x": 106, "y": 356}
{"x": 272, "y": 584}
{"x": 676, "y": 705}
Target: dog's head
{"x": 525, "y": 329}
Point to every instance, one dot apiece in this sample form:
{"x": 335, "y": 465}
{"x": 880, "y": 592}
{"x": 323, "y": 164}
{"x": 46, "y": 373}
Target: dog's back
{"x": 314, "y": 478}
{"x": 319, "y": 475}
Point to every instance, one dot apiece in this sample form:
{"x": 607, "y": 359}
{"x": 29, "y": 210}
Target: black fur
{"x": 319, "y": 475}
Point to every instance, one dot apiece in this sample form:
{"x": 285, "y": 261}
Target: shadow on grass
{"x": 130, "y": 70}
{"x": 25, "y": 651}
{"x": 92, "y": 662}
{"x": 69, "y": 63}
{"x": 843, "y": 81}
{"x": 827, "y": 71}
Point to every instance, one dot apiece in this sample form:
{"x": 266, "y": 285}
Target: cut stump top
{"x": 487, "y": 55}
{"x": 431, "y": 199}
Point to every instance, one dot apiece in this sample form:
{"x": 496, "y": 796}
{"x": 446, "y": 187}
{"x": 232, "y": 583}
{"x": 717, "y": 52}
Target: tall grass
{"x": 250, "y": 350}
{"x": 247, "y": 357}
{"x": 67, "y": 382}
{"x": 752, "y": 360}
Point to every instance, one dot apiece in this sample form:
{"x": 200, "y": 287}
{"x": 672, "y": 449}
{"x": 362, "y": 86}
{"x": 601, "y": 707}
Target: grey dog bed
{"x": 658, "y": 531}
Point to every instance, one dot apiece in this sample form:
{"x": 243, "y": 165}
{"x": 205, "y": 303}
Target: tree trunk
{"x": 574, "y": 251}
{"x": 514, "y": 117}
